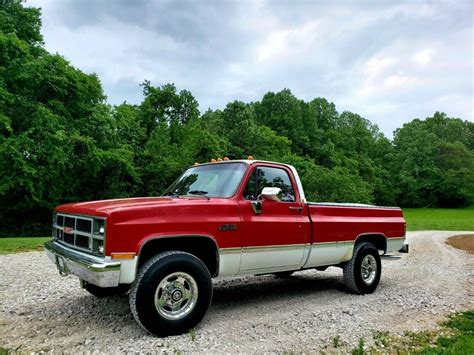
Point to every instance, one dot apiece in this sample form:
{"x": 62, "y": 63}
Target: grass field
{"x": 20, "y": 244}
{"x": 455, "y": 219}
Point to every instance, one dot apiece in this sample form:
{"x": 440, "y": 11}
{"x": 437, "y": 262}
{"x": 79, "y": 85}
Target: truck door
{"x": 275, "y": 238}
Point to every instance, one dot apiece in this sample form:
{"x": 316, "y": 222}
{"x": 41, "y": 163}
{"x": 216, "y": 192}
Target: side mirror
{"x": 270, "y": 193}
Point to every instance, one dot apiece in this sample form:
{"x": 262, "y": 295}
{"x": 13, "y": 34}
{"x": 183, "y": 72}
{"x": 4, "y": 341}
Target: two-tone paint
{"x": 285, "y": 236}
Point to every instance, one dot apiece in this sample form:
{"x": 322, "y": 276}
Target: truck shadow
{"x": 268, "y": 288}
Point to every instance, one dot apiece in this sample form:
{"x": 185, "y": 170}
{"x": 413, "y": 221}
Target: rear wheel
{"x": 105, "y": 291}
{"x": 171, "y": 294}
{"x": 362, "y": 273}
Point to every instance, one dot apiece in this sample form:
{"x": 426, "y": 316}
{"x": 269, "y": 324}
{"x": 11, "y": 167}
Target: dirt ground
{"x": 463, "y": 242}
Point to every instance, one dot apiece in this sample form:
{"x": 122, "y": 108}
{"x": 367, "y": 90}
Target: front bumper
{"x": 89, "y": 268}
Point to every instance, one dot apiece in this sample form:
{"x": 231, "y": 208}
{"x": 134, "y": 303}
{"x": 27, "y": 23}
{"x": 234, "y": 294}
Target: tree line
{"x": 60, "y": 141}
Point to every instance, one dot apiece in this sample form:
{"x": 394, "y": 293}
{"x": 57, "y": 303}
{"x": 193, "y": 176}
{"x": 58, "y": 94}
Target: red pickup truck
{"x": 220, "y": 219}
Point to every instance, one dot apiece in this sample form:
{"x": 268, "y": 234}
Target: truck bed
{"x": 345, "y": 222}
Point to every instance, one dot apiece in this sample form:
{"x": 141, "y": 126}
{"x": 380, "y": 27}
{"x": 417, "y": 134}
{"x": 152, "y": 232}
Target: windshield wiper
{"x": 199, "y": 192}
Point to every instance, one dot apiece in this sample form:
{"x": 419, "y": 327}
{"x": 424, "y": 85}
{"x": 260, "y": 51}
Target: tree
{"x": 434, "y": 163}
{"x": 59, "y": 141}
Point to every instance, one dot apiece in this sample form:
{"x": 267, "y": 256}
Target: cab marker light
{"x": 219, "y": 159}
{"x": 123, "y": 255}
{"x": 226, "y": 159}
{"x": 196, "y": 163}
{"x": 213, "y": 160}
{"x": 250, "y": 157}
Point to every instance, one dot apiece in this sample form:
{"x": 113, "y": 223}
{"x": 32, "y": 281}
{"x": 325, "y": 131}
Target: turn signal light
{"x": 123, "y": 255}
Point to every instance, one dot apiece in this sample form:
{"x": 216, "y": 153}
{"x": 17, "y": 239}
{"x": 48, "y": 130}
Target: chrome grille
{"x": 78, "y": 232}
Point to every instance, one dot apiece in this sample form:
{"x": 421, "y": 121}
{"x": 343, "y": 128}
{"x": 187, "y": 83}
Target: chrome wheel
{"x": 368, "y": 269}
{"x": 176, "y": 295}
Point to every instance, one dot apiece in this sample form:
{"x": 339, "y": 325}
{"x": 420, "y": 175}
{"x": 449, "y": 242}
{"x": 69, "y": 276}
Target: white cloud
{"x": 289, "y": 42}
{"x": 424, "y": 56}
{"x": 378, "y": 64}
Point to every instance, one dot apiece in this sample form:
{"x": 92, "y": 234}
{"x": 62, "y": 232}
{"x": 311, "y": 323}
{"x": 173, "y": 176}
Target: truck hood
{"x": 106, "y": 207}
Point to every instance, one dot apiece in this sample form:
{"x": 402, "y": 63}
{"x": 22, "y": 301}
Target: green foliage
{"x": 360, "y": 348}
{"x": 463, "y": 322}
{"x": 462, "y": 339}
{"x": 336, "y": 341}
{"x": 434, "y": 162}
{"x": 60, "y": 141}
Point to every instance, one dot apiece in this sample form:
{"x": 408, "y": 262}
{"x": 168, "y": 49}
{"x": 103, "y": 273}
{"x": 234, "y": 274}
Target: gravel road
{"x": 40, "y": 311}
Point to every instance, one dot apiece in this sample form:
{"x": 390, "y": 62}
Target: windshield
{"x": 213, "y": 180}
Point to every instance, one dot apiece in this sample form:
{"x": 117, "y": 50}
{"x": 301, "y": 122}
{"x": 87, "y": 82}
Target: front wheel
{"x": 362, "y": 273}
{"x": 171, "y": 294}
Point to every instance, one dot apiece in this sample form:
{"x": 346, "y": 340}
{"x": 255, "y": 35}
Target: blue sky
{"x": 388, "y": 61}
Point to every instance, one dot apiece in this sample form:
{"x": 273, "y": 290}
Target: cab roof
{"x": 245, "y": 161}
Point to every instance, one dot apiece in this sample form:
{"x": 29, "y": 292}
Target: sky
{"x": 389, "y": 61}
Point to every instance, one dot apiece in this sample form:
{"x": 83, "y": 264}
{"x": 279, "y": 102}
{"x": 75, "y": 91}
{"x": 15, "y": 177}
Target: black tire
{"x": 283, "y": 274}
{"x": 106, "y": 291}
{"x": 147, "y": 286}
{"x": 353, "y": 274}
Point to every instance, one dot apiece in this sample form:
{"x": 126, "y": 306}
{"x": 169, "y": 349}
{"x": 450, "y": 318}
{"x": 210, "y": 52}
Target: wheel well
{"x": 201, "y": 247}
{"x": 378, "y": 240}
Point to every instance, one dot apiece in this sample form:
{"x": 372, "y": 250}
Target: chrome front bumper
{"x": 92, "y": 269}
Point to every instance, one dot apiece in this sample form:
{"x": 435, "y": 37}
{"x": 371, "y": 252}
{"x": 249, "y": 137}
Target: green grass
{"x": 456, "y": 336}
{"x": 21, "y": 244}
{"x": 450, "y": 219}
{"x": 462, "y": 339}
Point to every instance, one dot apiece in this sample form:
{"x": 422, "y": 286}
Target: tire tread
{"x": 349, "y": 271}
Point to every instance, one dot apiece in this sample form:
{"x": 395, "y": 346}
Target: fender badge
{"x": 227, "y": 228}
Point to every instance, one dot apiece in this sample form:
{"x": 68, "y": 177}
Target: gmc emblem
{"x": 68, "y": 230}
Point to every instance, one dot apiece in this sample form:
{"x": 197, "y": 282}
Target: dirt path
{"x": 41, "y": 311}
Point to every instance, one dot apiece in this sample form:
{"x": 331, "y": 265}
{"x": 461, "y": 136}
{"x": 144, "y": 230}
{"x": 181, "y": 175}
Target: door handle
{"x": 296, "y": 208}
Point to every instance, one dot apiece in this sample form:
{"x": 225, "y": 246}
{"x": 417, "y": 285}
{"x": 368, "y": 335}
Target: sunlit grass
{"x": 21, "y": 244}
{"x": 450, "y": 219}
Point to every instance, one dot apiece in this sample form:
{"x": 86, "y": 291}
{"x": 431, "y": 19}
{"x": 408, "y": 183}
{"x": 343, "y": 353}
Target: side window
{"x": 269, "y": 177}
{"x": 250, "y": 192}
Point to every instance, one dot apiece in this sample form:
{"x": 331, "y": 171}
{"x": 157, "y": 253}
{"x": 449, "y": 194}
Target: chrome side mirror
{"x": 270, "y": 193}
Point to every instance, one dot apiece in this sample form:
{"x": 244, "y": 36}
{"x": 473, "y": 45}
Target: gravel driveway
{"x": 40, "y": 311}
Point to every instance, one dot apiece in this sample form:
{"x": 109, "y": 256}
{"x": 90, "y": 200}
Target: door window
{"x": 269, "y": 177}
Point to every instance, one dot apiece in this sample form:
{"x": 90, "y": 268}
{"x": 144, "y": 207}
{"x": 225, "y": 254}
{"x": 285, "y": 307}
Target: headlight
{"x": 101, "y": 227}
{"x": 98, "y": 237}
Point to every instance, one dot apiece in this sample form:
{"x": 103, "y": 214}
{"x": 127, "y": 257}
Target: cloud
{"x": 424, "y": 56}
{"x": 388, "y": 61}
